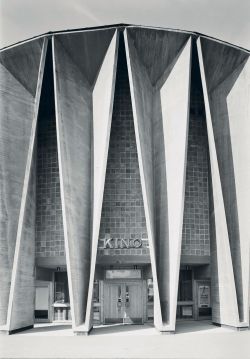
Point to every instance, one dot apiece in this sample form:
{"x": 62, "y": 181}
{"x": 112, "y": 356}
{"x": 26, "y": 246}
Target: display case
{"x": 61, "y": 303}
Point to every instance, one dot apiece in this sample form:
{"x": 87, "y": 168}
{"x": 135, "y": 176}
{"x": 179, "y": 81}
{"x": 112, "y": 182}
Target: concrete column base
{"x": 169, "y": 332}
{"x": 14, "y": 331}
{"x": 82, "y": 332}
{"x": 231, "y": 327}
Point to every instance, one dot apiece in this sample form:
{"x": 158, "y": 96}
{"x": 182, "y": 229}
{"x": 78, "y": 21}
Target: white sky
{"x": 227, "y": 20}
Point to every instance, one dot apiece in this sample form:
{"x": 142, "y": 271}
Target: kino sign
{"x": 121, "y": 243}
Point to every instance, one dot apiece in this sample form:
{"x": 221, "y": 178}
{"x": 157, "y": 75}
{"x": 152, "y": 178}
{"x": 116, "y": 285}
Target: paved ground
{"x": 193, "y": 340}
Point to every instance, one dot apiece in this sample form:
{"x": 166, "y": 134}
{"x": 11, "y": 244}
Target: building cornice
{"x": 121, "y": 26}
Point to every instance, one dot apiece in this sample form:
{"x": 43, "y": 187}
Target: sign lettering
{"x": 114, "y": 243}
{"x": 107, "y": 243}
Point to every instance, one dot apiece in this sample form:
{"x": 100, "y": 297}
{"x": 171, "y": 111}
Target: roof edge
{"x": 123, "y": 25}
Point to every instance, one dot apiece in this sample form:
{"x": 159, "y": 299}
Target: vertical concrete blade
{"x": 142, "y": 104}
{"x": 77, "y": 61}
{"x": 224, "y": 298}
{"x": 21, "y": 293}
{"x": 175, "y": 116}
{"x": 228, "y": 92}
{"x": 238, "y": 105}
{"x": 103, "y": 96}
{"x": 74, "y": 132}
{"x": 16, "y": 121}
{"x": 158, "y": 64}
{"x": 23, "y": 280}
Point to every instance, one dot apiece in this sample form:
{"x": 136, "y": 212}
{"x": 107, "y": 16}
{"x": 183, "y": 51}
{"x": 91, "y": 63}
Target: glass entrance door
{"x": 123, "y": 302}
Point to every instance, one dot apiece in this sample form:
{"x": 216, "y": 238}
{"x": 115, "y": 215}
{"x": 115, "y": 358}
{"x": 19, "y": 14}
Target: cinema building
{"x": 124, "y": 174}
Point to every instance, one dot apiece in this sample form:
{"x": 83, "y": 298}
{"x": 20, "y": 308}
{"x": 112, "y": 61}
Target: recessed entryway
{"x": 123, "y": 302}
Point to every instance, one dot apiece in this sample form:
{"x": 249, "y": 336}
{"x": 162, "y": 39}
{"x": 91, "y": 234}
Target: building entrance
{"x": 123, "y": 302}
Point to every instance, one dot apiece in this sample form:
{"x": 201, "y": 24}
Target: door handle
{"x": 127, "y": 297}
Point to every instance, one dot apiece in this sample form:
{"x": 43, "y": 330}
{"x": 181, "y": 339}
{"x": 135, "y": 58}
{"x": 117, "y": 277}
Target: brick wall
{"x": 195, "y": 236}
{"x": 123, "y": 211}
{"x": 49, "y": 226}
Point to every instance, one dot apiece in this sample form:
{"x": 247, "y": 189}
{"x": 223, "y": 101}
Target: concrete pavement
{"x": 196, "y": 340}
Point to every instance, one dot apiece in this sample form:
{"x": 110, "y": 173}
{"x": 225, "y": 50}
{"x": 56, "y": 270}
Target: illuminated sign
{"x": 114, "y": 243}
{"x": 123, "y": 273}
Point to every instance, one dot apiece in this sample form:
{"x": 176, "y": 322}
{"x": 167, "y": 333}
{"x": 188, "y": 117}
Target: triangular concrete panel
{"x": 157, "y": 50}
{"x": 220, "y": 61}
{"x": 23, "y": 63}
{"x": 87, "y": 50}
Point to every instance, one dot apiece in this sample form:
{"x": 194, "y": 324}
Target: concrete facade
{"x": 128, "y": 134}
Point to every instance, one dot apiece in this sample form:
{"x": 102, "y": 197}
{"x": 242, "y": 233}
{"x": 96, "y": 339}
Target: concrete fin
{"x": 175, "y": 117}
{"x": 225, "y": 292}
{"x": 231, "y": 144}
{"x": 22, "y": 277}
{"x": 103, "y": 96}
{"x": 238, "y": 105}
{"x": 15, "y": 121}
{"x": 24, "y": 291}
{"x": 77, "y": 116}
{"x": 142, "y": 104}
{"x": 74, "y": 132}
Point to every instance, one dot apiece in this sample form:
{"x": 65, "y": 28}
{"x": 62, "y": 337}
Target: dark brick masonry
{"x": 49, "y": 228}
{"x": 195, "y": 236}
{"x": 49, "y": 225}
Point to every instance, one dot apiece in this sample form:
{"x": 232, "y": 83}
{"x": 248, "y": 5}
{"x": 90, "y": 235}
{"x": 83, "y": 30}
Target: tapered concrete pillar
{"x": 84, "y": 94}
{"x": 225, "y": 75}
{"x": 158, "y": 62}
{"x": 103, "y": 97}
{"x": 175, "y": 118}
{"x": 20, "y": 81}
{"x": 142, "y": 104}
